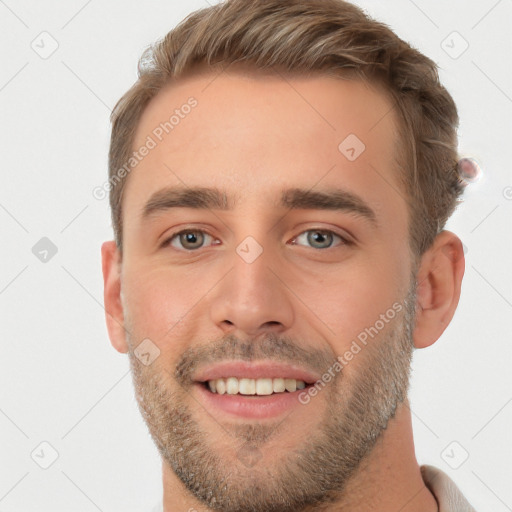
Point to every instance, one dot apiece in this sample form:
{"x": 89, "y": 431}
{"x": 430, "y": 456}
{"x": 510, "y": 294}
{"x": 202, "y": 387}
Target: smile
{"x": 261, "y": 387}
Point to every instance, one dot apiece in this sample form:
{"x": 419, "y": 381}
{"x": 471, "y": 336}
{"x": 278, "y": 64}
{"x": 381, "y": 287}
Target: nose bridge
{"x": 251, "y": 299}
{"x": 251, "y": 273}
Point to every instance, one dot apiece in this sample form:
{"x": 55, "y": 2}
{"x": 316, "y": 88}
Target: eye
{"x": 194, "y": 239}
{"x": 320, "y": 238}
{"x": 189, "y": 240}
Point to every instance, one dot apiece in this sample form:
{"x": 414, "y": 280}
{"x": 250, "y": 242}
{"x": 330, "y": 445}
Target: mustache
{"x": 268, "y": 346}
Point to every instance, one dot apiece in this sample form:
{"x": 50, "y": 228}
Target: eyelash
{"x": 344, "y": 241}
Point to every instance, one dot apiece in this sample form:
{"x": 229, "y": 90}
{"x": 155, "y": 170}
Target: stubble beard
{"x": 308, "y": 477}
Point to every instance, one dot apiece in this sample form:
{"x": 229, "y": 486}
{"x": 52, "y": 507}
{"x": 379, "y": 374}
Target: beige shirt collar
{"x": 448, "y": 496}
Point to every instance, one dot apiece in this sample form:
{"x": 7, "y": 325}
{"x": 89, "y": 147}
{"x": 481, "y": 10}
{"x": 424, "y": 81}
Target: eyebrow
{"x": 335, "y": 199}
{"x": 293, "y": 199}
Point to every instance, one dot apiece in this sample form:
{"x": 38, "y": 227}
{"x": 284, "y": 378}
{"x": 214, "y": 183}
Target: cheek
{"x": 354, "y": 299}
{"x": 160, "y": 304}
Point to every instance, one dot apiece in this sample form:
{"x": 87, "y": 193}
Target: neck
{"x": 388, "y": 480}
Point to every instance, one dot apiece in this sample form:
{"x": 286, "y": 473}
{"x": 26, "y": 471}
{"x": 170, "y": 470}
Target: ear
{"x": 438, "y": 290}
{"x": 111, "y": 265}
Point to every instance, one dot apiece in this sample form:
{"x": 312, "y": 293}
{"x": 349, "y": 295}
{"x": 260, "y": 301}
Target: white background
{"x": 60, "y": 379}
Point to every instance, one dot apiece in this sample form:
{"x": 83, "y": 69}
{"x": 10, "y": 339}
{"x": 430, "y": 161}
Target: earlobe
{"x": 111, "y": 265}
{"x": 439, "y": 281}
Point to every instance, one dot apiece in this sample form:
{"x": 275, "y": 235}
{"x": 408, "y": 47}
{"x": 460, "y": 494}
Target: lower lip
{"x": 252, "y": 406}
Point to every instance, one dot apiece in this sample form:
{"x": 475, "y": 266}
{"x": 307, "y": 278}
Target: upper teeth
{"x": 233, "y": 385}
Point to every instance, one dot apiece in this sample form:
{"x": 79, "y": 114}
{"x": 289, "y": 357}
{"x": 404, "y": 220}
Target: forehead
{"x": 255, "y": 135}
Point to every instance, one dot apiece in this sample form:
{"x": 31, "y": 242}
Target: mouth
{"x": 254, "y": 391}
{"x": 253, "y": 406}
{"x": 254, "y": 387}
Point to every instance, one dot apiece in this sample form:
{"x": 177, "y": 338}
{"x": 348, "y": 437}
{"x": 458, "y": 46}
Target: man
{"x": 280, "y": 175}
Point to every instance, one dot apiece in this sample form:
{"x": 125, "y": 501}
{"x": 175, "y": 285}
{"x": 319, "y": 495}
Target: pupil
{"x": 320, "y": 238}
{"x": 192, "y": 239}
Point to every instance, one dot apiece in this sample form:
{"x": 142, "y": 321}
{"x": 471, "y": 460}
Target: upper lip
{"x": 255, "y": 370}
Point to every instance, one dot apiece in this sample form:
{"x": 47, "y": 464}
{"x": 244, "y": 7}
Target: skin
{"x": 253, "y": 136}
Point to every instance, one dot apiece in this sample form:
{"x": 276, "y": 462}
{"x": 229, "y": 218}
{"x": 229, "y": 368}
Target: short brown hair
{"x": 324, "y": 37}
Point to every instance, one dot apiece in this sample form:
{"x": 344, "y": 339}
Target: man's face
{"x": 273, "y": 277}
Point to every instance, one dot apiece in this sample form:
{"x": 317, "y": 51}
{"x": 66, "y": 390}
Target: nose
{"x": 252, "y": 299}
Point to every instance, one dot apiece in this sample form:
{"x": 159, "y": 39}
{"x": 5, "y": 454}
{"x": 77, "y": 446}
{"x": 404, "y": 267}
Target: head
{"x": 281, "y": 174}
